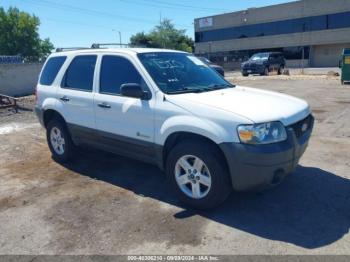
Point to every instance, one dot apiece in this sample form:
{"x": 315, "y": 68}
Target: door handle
{"x": 64, "y": 99}
{"x": 104, "y": 105}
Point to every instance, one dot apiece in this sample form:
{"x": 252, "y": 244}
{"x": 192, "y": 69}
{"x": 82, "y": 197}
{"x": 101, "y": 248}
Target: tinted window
{"x": 116, "y": 71}
{"x": 306, "y": 24}
{"x": 80, "y": 73}
{"x": 339, "y": 20}
{"x": 51, "y": 69}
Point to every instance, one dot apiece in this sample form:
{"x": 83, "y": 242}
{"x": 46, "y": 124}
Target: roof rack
{"x": 61, "y": 49}
{"x": 99, "y": 45}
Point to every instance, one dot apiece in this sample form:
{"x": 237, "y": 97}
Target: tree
{"x": 164, "y": 35}
{"x": 141, "y": 39}
{"x": 19, "y": 35}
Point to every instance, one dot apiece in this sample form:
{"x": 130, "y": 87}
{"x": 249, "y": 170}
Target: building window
{"x": 306, "y": 24}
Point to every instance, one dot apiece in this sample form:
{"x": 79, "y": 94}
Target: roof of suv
{"x": 114, "y": 50}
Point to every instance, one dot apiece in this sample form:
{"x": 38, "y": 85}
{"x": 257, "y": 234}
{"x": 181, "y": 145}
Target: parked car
{"x": 263, "y": 64}
{"x": 217, "y": 68}
{"x": 170, "y": 109}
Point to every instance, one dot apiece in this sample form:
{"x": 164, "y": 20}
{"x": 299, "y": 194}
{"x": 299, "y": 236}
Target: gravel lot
{"x": 106, "y": 204}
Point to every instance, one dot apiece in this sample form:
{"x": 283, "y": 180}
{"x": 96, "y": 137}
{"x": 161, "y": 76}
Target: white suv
{"x": 169, "y": 108}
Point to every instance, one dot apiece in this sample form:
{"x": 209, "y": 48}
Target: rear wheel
{"x": 59, "y": 140}
{"x": 198, "y": 175}
{"x": 245, "y": 74}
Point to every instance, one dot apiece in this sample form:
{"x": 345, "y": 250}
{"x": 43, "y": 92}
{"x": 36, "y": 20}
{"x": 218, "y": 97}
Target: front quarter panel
{"x": 173, "y": 116}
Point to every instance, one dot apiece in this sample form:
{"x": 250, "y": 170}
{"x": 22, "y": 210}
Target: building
{"x": 316, "y": 30}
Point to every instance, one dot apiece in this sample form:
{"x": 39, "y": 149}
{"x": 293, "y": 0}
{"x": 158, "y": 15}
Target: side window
{"x": 80, "y": 73}
{"x": 116, "y": 71}
{"x": 51, "y": 69}
{"x": 273, "y": 57}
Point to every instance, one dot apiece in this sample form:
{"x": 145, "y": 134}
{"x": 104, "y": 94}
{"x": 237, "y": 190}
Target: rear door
{"x": 75, "y": 95}
{"x": 125, "y": 124}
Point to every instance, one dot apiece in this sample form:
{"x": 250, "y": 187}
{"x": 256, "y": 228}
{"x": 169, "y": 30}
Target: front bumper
{"x": 256, "y": 167}
{"x": 256, "y": 69}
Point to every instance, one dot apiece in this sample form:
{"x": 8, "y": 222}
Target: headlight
{"x": 265, "y": 133}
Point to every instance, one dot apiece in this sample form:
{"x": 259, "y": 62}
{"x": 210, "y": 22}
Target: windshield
{"x": 260, "y": 56}
{"x": 181, "y": 73}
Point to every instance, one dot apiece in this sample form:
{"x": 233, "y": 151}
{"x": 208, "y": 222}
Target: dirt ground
{"x": 106, "y": 204}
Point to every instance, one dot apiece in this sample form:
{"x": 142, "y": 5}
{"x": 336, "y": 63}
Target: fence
{"x": 6, "y": 59}
{"x": 18, "y": 79}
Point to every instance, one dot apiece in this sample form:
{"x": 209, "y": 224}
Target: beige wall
{"x": 326, "y": 55}
{"x": 18, "y": 79}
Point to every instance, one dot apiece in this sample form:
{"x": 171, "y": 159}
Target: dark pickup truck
{"x": 263, "y": 64}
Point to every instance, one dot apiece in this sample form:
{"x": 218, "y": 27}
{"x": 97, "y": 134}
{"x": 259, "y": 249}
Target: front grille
{"x": 251, "y": 66}
{"x": 298, "y": 126}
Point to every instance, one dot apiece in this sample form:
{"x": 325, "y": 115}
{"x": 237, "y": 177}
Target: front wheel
{"x": 280, "y": 70}
{"x": 198, "y": 175}
{"x": 59, "y": 140}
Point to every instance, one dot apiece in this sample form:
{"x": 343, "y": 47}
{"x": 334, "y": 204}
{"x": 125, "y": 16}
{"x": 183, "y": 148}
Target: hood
{"x": 255, "y": 104}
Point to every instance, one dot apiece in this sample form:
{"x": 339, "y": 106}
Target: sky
{"x": 79, "y": 23}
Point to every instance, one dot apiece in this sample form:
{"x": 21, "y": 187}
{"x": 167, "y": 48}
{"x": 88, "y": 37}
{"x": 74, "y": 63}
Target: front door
{"x": 125, "y": 124}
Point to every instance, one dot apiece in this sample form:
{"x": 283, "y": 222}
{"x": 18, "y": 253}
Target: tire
{"x": 280, "y": 70}
{"x": 214, "y": 168}
{"x": 63, "y": 150}
{"x": 266, "y": 71}
{"x": 245, "y": 74}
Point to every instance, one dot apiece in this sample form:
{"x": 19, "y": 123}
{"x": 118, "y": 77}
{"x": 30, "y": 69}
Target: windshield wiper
{"x": 211, "y": 87}
{"x": 185, "y": 90}
{"x": 219, "y": 86}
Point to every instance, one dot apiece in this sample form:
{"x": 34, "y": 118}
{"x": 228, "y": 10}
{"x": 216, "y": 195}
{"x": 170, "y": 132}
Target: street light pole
{"x": 120, "y": 36}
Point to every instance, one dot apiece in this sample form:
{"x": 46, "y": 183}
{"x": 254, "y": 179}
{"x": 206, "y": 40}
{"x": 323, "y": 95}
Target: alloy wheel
{"x": 57, "y": 141}
{"x": 193, "y": 176}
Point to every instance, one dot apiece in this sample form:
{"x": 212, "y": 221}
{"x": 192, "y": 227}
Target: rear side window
{"x": 80, "y": 73}
{"x": 51, "y": 69}
{"x": 116, "y": 71}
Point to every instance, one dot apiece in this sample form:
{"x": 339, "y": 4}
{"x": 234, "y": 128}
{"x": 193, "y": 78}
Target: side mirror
{"x": 134, "y": 90}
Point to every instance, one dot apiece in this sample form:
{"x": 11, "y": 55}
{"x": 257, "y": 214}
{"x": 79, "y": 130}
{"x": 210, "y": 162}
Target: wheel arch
{"x": 49, "y": 114}
{"x": 173, "y": 139}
